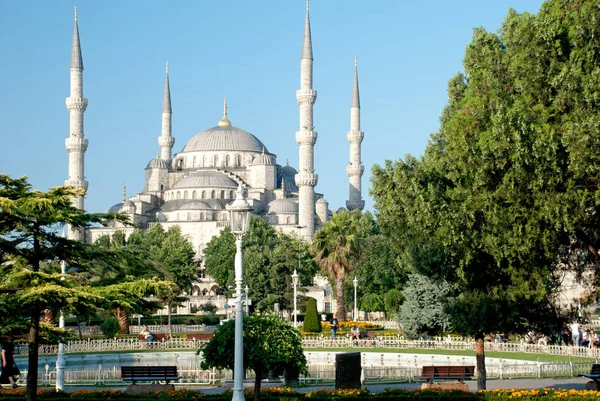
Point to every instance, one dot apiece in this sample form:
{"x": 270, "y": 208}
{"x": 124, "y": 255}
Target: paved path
{"x": 567, "y": 383}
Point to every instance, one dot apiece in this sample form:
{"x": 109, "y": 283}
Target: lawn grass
{"x": 490, "y": 354}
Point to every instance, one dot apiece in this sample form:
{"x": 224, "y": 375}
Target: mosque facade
{"x": 192, "y": 188}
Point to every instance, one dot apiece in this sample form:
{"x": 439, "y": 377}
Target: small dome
{"x": 224, "y": 137}
{"x": 161, "y": 217}
{"x": 290, "y": 184}
{"x": 157, "y": 162}
{"x": 262, "y": 159}
{"x": 195, "y": 205}
{"x": 321, "y": 201}
{"x": 289, "y": 171}
{"x": 281, "y": 206}
{"x": 115, "y": 208}
{"x": 206, "y": 179}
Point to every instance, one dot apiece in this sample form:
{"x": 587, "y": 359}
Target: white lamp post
{"x": 355, "y": 282}
{"x": 295, "y": 278}
{"x": 239, "y": 218}
{"x": 60, "y": 358}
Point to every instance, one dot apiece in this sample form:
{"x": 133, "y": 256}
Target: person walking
{"x": 334, "y": 326}
{"x": 10, "y": 371}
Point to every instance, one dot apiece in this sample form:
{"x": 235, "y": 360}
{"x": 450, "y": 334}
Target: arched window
{"x": 204, "y": 161}
{"x": 227, "y": 160}
{"x": 194, "y": 161}
{"x": 177, "y": 217}
{"x": 194, "y": 194}
{"x": 189, "y": 216}
{"x": 185, "y": 194}
{"x": 203, "y": 194}
{"x": 161, "y": 187}
{"x": 213, "y": 194}
{"x": 178, "y": 195}
{"x": 202, "y": 216}
{"x": 231, "y": 195}
{"x": 222, "y": 194}
{"x": 239, "y": 160}
{"x": 216, "y": 160}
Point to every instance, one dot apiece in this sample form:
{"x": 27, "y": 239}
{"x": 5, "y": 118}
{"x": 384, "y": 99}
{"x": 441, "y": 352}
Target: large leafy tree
{"x": 506, "y": 193}
{"x": 269, "y": 261}
{"x": 336, "y": 248}
{"x": 29, "y": 240}
{"x": 270, "y": 344}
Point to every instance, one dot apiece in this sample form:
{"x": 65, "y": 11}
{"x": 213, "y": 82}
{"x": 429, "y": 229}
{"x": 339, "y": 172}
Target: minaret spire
{"x": 224, "y": 121}
{"x": 355, "y": 136}
{"x": 306, "y": 137}
{"x": 124, "y": 192}
{"x": 76, "y": 144}
{"x": 166, "y": 140}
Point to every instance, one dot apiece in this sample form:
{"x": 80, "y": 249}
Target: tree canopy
{"x": 506, "y": 193}
{"x": 270, "y": 343}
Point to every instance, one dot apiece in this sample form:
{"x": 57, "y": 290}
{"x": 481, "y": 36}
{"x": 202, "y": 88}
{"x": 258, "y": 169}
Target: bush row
{"x": 287, "y": 394}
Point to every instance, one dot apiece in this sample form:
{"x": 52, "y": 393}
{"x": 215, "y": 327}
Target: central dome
{"x": 224, "y": 138}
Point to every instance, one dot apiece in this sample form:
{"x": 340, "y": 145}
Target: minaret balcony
{"x": 306, "y": 96}
{"x": 355, "y": 204}
{"x": 355, "y": 136}
{"x": 166, "y": 141}
{"x": 76, "y": 103}
{"x": 75, "y": 144}
{"x": 75, "y": 183}
{"x": 354, "y": 170}
{"x": 306, "y": 137}
{"x": 306, "y": 179}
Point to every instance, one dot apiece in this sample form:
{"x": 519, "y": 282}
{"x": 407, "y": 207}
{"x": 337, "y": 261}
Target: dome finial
{"x": 224, "y": 121}
{"x": 124, "y": 192}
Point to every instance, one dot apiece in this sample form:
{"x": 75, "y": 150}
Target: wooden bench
{"x": 594, "y": 374}
{"x": 149, "y": 373}
{"x": 460, "y": 373}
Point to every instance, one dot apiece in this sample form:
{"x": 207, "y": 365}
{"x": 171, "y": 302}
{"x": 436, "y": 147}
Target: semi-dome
{"x": 206, "y": 179}
{"x": 195, "y": 205}
{"x": 115, "y": 208}
{"x": 279, "y": 206}
{"x": 262, "y": 159}
{"x": 157, "y": 162}
{"x": 224, "y": 138}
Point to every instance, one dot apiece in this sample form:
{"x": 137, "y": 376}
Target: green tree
{"x": 506, "y": 192}
{"x": 423, "y": 310}
{"x": 312, "y": 323}
{"x": 270, "y": 343}
{"x": 392, "y": 300}
{"x": 336, "y": 248}
{"x": 29, "y": 238}
{"x": 110, "y": 327}
{"x": 372, "y": 303}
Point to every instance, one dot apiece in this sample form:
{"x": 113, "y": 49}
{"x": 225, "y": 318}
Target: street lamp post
{"x": 239, "y": 212}
{"x": 355, "y": 282}
{"x": 60, "y": 358}
{"x": 295, "y": 278}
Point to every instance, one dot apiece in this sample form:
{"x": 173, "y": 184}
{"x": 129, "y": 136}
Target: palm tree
{"x": 336, "y": 249}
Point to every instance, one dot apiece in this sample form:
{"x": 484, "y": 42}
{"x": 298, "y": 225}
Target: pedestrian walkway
{"x": 566, "y": 383}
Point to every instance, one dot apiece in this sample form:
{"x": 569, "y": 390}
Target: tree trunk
{"x": 32, "y": 370}
{"x": 79, "y": 328}
{"x": 169, "y": 320}
{"x": 340, "y": 307}
{"x": 480, "y": 358}
{"x": 257, "y": 381}
{"x": 123, "y": 318}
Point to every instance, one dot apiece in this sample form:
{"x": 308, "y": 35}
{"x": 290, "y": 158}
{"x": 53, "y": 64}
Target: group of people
{"x": 10, "y": 371}
{"x": 573, "y": 335}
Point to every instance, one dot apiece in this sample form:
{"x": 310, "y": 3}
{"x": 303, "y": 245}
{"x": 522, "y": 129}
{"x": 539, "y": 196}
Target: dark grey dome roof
{"x": 157, "y": 162}
{"x": 206, "y": 179}
{"x": 195, "y": 205}
{"x": 224, "y": 138}
{"x": 289, "y": 171}
{"x": 279, "y": 206}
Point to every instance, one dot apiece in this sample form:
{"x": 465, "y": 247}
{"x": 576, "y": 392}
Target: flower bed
{"x": 287, "y": 394}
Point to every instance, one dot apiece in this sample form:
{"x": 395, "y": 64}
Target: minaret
{"x": 76, "y": 144}
{"x": 166, "y": 140}
{"x": 355, "y": 136}
{"x": 306, "y": 179}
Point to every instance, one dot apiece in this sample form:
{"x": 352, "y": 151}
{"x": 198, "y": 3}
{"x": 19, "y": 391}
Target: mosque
{"x": 192, "y": 188}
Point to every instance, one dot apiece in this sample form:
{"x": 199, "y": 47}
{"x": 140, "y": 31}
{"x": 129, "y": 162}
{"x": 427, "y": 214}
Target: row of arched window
{"x": 214, "y": 194}
{"x": 202, "y": 216}
{"x": 214, "y": 161}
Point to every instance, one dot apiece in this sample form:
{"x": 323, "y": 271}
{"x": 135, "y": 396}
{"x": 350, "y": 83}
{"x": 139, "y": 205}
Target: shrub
{"x": 312, "y": 324}
{"x": 110, "y": 327}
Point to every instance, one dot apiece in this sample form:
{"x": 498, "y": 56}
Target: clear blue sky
{"x": 248, "y": 51}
